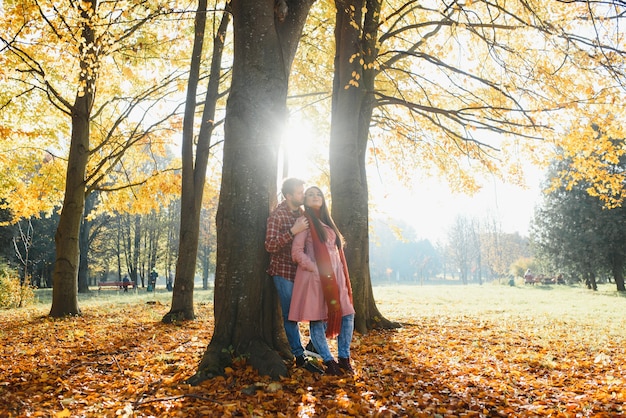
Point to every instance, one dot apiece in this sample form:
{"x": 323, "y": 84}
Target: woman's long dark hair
{"x": 324, "y": 216}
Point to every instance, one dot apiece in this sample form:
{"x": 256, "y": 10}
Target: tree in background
{"x": 575, "y": 231}
{"x": 27, "y": 247}
{"x": 398, "y": 255}
{"x": 85, "y": 239}
{"x": 74, "y": 46}
{"x": 194, "y": 170}
{"x": 461, "y": 239}
{"x": 7, "y": 233}
{"x": 501, "y": 250}
{"x": 207, "y": 244}
{"x": 593, "y": 43}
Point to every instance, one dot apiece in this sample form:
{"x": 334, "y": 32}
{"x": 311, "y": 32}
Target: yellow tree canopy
{"x": 479, "y": 88}
{"x": 135, "y": 121}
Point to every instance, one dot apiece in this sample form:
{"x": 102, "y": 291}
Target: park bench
{"x": 119, "y": 285}
{"x": 545, "y": 280}
{"x": 530, "y": 279}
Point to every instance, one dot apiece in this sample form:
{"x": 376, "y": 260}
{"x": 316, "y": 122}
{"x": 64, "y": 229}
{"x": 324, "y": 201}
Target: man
{"x": 284, "y": 222}
{"x": 126, "y": 283}
{"x": 153, "y": 279}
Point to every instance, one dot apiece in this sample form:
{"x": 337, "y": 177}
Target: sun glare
{"x": 304, "y": 150}
{"x": 428, "y": 206}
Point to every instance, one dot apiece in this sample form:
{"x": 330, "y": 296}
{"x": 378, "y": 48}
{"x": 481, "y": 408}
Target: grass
{"x": 549, "y": 311}
{"x": 488, "y": 300}
{"x": 573, "y": 307}
{"x": 405, "y": 302}
{"x": 546, "y": 316}
{"x": 115, "y": 297}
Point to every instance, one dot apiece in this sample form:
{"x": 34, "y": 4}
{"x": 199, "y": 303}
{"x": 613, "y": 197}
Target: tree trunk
{"x": 153, "y": 236}
{"x": 590, "y": 281}
{"x": 351, "y": 114}
{"x": 118, "y": 248}
{"x": 173, "y": 236}
{"x": 247, "y": 320}
{"x": 134, "y": 246}
{"x": 84, "y": 241}
{"x": 206, "y": 244}
{"x": 194, "y": 175}
{"x": 65, "y": 276}
{"x": 617, "y": 266}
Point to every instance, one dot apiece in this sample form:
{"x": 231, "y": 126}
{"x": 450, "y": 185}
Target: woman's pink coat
{"x": 307, "y": 300}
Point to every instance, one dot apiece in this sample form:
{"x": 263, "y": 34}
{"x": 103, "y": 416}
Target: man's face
{"x": 297, "y": 197}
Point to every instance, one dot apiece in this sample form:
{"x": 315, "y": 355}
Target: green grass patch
{"x": 117, "y": 297}
{"x": 540, "y": 305}
{"x": 547, "y": 315}
{"x": 497, "y": 301}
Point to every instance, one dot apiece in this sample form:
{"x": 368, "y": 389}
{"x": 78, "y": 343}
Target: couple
{"x": 311, "y": 275}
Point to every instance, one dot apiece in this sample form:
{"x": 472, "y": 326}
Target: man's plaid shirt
{"x": 278, "y": 240}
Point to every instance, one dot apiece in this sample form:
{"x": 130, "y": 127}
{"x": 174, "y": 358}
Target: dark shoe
{"x": 332, "y": 368}
{"x": 301, "y": 361}
{"x": 344, "y": 363}
{"x": 310, "y": 347}
{"x": 310, "y": 351}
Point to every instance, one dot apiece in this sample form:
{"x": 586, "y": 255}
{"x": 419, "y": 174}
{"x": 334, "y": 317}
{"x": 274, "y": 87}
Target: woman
{"x": 322, "y": 293}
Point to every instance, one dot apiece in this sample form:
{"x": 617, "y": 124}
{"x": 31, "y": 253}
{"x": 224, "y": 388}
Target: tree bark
{"x": 617, "y": 265}
{"x": 194, "y": 175}
{"x": 84, "y": 242}
{"x": 182, "y": 296}
{"x": 352, "y": 107}
{"x": 247, "y": 320}
{"x": 65, "y": 276}
{"x": 135, "y": 252}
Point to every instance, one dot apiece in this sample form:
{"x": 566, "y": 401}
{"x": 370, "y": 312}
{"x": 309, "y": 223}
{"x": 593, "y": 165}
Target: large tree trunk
{"x": 247, "y": 319}
{"x": 65, "y": 276}
{"x": 351, "y": 114}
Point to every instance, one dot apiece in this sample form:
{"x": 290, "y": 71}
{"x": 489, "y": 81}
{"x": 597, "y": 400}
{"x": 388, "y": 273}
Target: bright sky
{"x": 430, "y": 207}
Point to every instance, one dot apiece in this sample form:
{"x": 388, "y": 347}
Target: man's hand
{"x": 301, "y": 224}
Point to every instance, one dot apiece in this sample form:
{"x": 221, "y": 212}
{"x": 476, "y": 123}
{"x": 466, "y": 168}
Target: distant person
{"x": 528, "y": 277}
{"x": 125, "y": 283}
{"x": 153, "y": 279}
{"x": 322, "y": 293}
{"x": 169, "y": 284}
{"x": 283, "y": 224}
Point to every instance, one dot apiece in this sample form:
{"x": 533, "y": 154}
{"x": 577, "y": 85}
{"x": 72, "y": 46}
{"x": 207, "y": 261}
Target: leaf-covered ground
{"x": 120, "y": 360}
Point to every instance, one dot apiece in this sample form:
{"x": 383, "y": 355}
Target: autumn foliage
{"x": 118, "y": 359}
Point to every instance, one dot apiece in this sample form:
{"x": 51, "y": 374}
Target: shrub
{"x": 12, "y": 294}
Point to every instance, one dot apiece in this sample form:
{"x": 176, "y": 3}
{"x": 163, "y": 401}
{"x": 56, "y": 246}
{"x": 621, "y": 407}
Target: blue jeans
{"x": 284, "y": 288}
{"x": 318, "y": 336}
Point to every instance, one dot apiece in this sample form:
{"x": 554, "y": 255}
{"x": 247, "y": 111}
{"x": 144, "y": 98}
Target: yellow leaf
{"x": 128, "y": 73}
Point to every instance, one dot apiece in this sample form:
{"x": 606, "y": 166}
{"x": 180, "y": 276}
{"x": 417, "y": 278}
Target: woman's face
{"x": 313, "y": 198}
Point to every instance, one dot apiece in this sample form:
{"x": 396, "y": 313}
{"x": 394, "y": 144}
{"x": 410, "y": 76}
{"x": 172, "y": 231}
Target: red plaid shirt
{"x": 278, "y": 240}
